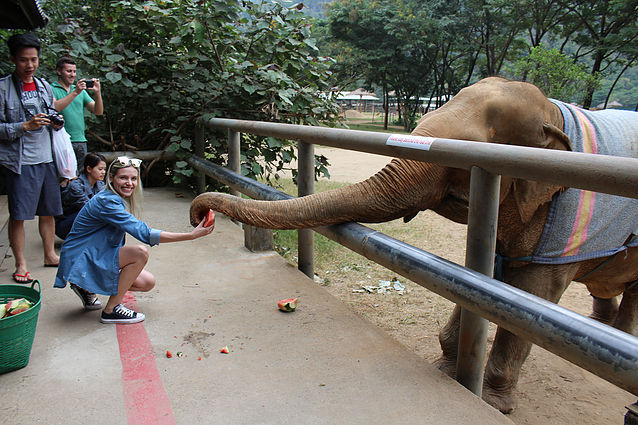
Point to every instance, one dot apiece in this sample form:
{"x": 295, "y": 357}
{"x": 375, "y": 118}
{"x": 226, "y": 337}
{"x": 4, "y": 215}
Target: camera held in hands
{"x": 55, "y": 119}
{"x": 89, "y": 83}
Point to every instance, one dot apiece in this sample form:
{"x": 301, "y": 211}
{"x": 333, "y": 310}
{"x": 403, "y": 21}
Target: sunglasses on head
{"x": 126, "y": 161}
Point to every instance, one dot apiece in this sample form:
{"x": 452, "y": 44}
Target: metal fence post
{"x": 234, "y": 155}
{"x": 479, "y": 256}
{"x": 306, "y": 186}
{"x": 631, "y": 417}
{"x": 199, "y": 151}
{"x": 255, "y": 239}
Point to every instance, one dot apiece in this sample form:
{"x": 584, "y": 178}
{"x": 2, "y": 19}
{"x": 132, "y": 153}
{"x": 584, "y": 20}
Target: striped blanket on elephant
{"x": 581, "y": 224}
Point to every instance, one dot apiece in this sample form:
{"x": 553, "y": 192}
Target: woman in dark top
{"x": 79, "y": 191}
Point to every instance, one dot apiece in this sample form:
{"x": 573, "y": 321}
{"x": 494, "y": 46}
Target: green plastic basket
{"x": 17, "y": 332}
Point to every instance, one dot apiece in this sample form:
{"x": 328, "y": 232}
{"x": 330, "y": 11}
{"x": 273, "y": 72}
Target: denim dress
{"x": 90, "y": 254}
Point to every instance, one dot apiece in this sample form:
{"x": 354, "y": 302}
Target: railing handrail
{"x": 599, "y": 173}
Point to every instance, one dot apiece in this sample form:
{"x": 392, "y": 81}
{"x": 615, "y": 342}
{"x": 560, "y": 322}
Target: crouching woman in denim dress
{"x": 93, "y": 258}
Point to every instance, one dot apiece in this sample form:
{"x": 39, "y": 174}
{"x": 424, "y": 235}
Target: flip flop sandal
{"x": 52, "y": 265}
{"x": 27, "y": 278}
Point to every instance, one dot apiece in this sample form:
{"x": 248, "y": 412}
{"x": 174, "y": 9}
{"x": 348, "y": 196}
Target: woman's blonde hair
{"x": 135, "y": 200}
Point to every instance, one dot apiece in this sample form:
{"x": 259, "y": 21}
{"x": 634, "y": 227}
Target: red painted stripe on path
{"x": 146, "y": 400}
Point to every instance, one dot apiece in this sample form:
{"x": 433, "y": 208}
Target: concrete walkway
{"x": 319, "y": 365}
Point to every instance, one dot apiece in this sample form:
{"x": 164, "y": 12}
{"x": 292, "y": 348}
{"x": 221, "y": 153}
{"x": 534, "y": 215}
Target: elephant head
{"x": 493, "y": 110}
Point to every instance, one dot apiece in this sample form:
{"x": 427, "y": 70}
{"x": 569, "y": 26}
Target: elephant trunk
{"x": 402, "y": 188}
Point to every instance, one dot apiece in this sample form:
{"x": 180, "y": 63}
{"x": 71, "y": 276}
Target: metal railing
{"x": 600, "y": 173}
{"x": 607, "y": 352}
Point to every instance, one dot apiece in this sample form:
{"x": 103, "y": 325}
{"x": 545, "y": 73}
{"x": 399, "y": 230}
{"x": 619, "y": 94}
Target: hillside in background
{"x": 625, "y": 91}
{"x": 316, "y": 7}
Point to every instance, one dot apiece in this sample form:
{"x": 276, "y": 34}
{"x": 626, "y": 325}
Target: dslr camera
{"x": 55, "y": 119}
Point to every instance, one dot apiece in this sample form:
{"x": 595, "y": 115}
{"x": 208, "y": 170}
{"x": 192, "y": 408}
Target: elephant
{"x": 493, "y": 110}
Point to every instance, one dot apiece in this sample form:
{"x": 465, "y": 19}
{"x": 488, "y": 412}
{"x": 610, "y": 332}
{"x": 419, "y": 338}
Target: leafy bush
{"x": 163, "y": 64}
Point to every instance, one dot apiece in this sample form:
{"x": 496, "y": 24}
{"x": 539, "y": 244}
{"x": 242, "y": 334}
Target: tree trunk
{"x": 406, "y": 115}
{"x": 589, "y": 94}
{"x": 616, "y": 80}
{"x": 386, "y": 106}
{"x": 471, "y": 66}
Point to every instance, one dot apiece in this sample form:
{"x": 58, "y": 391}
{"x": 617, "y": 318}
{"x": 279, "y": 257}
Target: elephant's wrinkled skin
{"x": 497, "y": 111}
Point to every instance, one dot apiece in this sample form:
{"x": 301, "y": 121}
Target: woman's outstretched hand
{"x": 205, "y": 227}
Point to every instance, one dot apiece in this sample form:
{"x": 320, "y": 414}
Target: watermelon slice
{"x": 210, "y": 218}
{"x": 17, "y": 306}
{"x": 287, "y": 305}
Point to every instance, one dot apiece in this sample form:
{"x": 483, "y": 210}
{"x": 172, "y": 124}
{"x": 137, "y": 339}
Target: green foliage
{"x": 434, "y": 48}
{"x": 606, "y": 31}
{"x": 555, "y": 73}
{"x": 165, "y": 63}
{"x": 388, "y": 44}
{"x": 424, "y": 50}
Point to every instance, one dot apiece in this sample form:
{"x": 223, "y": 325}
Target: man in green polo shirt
{"x": 71, "y": 99}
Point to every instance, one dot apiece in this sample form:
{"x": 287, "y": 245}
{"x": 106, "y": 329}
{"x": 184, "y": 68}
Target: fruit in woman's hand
{"x": 209, "y": 220}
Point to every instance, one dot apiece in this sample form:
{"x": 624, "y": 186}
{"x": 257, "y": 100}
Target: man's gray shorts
{"x": 80, "y": 152}
{"x": 35, "y": 191}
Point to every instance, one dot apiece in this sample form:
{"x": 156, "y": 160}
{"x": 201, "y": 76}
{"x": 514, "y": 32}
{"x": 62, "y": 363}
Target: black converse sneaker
{"x": 122, "y": 314}
{"x": 89, "y": 299}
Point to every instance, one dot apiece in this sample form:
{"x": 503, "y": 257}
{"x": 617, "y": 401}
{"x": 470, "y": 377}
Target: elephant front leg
{"x": 510, "y": 351}
{"x": 503, "y": 367}
{"x": 627, "y": 319}
{"x": 449, "y": 340}
{"x": 604, "y": 310}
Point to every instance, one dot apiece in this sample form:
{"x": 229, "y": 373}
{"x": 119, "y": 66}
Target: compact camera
{"x": 55, "y": 119}
{"x": 89, "y": 83}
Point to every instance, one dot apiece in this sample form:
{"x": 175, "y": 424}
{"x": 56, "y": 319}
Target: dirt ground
{"x": 550, "y": 391}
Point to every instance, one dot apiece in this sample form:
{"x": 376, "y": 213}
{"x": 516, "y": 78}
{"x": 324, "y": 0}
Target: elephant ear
{"x": 529, "y": 194}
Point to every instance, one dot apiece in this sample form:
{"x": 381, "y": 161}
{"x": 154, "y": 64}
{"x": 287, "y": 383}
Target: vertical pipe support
{"x": 199, "y": 151}
{"x": 234, "y": 155}
{"x": 306, "y": 186}
{"x": 479, "y": 256}
{"x": 255, "y": 239}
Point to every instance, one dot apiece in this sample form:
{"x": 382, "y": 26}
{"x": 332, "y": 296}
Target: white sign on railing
{"x": 412, "y": 142}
